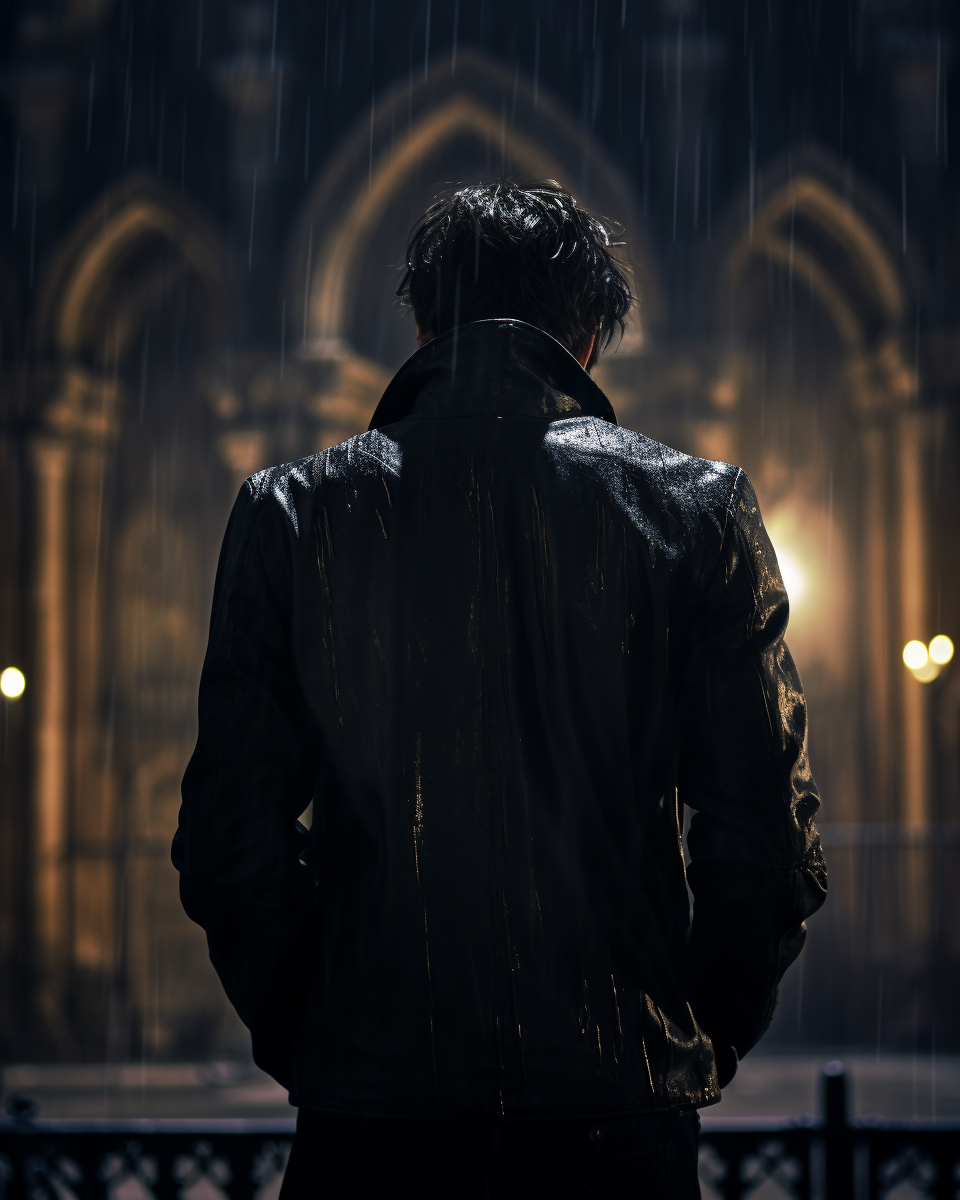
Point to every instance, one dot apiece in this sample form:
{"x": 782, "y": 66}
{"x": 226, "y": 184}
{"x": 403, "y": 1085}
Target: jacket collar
{"x": 492, "y": 368}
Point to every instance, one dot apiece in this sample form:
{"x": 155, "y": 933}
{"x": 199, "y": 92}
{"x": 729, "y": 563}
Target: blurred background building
{"x": 204, "y": 205}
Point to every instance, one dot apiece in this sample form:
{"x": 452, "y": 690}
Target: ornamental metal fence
{"x": 808, "y": 1158}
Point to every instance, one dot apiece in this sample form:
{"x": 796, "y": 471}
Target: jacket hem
{"x": 494, "y": 1118}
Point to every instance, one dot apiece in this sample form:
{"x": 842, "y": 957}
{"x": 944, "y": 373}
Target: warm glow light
{"x": 12, "y": 683}
{"x": 927, "y": 673}
{"x": 941, "y": 649}
{"x": 793, "y": 577}
{"x": 915, "y": 655}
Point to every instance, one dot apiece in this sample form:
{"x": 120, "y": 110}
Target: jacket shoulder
{"x": 699, "y": 485}
{"x": 292, "y": 484}
{"x": 688, "y": 487}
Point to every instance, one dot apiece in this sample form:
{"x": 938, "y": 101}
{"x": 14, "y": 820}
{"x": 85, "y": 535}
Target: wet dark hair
{"x": 500, "y": 249}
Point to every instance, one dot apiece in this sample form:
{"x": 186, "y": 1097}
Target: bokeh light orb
{"x": 12, "y": 683}
{"x": 927, "y": 673}
{"x": 941, "y": 649}
{"x": 915, "y": 655}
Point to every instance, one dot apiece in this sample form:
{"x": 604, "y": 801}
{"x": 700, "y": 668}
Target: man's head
{"x": 503, "y": 250}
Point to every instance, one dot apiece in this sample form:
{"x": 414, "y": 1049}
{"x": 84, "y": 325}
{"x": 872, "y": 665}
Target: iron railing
{"x": 807, "y": 1158}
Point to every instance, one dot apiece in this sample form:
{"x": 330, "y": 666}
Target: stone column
{"x": 916, "y": 853}
{"x": 94, "y": 810}
{"x": 877, "y": 642}
{"x": 895, "y": 604}
{"x": 912, "y": 547}
{"x": 73, "y": 819}
{"x": 50, "y": 826}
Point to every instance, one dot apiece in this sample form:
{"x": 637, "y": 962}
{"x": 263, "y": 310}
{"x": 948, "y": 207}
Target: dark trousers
{"x": 654, "y": 1157}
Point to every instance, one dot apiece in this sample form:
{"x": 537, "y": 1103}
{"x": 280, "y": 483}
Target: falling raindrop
{"x": 16, "y": 186}
{"x": 306, "y": 142}
{"x": 199, "y": 33}
{"x": 426, "y": 44}
{"x": 93, "y": 76}
{"x": 276, "y": 142}
{"x": 183, "y": 151}
{"x": 253, "y": 213}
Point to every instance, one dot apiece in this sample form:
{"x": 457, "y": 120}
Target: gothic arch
{"x": 135, "y": 246}
{"x": 135, "y": 249}
{"x": 814, "y": 220}
{"x": 810, "y": 219}
{"x": 498, "y": 118}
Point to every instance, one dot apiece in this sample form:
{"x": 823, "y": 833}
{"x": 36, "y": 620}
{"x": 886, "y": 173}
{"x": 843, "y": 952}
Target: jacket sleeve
{"x": 757, "y": 871}
{"x": 252, "y": 773}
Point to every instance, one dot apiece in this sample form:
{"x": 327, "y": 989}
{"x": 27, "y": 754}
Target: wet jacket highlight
{"x": 499, "y": 641}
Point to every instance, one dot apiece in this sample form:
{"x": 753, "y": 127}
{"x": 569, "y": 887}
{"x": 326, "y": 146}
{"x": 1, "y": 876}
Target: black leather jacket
{"x": 499, "y": 641}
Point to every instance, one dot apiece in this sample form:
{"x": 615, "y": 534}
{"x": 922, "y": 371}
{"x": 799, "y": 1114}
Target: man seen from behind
{"x": 499, "y": 642}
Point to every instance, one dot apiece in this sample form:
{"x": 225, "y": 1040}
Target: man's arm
{"x": 756, "y": 871}
{"x": 253, "y": 772}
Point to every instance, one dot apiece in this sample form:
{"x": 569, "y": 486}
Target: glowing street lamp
{"x": 915, "y": 655}
{"x": 12, "y": 683}
{"x": 926, "y": 662}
